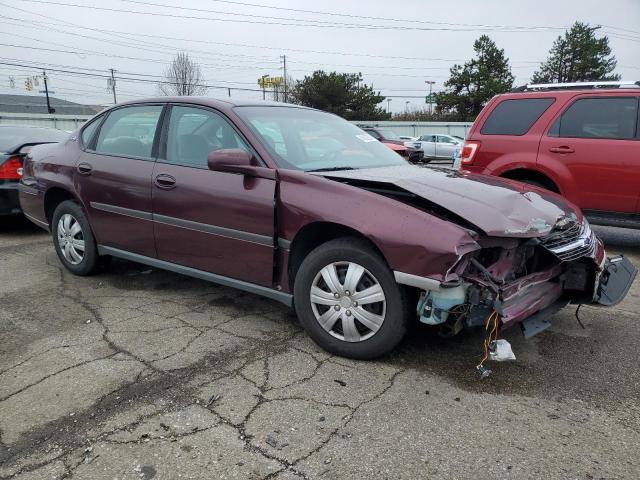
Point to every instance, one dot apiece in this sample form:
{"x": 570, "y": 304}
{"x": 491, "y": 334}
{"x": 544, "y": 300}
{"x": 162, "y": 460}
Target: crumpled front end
{"x": 525, "y": 281}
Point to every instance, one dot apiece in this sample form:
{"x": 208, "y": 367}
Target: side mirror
{"x": 234, "y": 160}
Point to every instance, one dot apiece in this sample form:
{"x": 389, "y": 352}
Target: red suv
{"x": 580, "y": 140}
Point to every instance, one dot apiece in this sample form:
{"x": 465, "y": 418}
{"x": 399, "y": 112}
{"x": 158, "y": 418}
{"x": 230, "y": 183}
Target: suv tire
{"x": 335, "y": 310}
{"x": 73, "y": 239}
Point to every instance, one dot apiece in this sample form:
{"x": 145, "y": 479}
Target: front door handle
{"x": 84, "y": 168}
{"x": 562, "y": 149}
{"x": 164, "y": 181}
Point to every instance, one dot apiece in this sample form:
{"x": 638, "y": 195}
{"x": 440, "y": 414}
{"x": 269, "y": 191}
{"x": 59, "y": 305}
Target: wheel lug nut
{"x": 348, "y": 312}
{"x": 355, "y": 304}
{"x": 336, "y": 295}
{"x": 337, "y": 307}
{"x": 347, "y": 293}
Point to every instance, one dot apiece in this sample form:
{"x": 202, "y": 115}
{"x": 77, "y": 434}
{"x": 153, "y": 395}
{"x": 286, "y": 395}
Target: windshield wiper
{"x": 330, "y": 169}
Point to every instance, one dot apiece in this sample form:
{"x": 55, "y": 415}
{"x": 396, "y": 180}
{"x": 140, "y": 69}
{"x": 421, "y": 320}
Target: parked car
{"x": 15, "y": 142}
{"x": 439, "y": 146}
{"x": 390, "y": 138}
{"x": 355, "y": 237}
{"x": 580, "y": 140}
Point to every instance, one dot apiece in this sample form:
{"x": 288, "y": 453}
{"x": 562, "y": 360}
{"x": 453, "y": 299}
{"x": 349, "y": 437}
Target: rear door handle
{"x": 562, "y": 149}
{"x": 84, "y": 168}
{"x": 164, "y": 181}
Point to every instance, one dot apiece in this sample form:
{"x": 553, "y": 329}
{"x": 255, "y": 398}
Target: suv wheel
{"x": 73, "y": 239}
{"x": 348, "y": 301}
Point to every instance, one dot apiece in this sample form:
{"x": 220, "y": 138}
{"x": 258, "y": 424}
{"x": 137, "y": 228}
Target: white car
{"x": 439, "y": 146}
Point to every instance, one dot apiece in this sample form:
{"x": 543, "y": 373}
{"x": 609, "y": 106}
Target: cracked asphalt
{"x": 137, "y": 373}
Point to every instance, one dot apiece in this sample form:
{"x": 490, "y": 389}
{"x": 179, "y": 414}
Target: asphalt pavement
{"x": 137, "y": 373}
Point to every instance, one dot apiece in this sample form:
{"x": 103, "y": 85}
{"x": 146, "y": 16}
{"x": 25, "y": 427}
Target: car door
{"x": 445, "y": 147}
{"x": 113, "y": 177}
{"x": 428, "y": 143}
{"x": 218, "y": 222}
{"x": 594, "y": 142}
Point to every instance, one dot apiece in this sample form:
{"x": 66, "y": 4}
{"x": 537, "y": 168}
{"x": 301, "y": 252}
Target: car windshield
{"x": 305, "y": 139}
{"x": 13, "y": 137}
{"x": 388, "y": 134}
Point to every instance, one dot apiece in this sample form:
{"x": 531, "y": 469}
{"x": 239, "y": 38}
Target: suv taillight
{"x": 11, "y": 169}
{"x": 468, "y": 152}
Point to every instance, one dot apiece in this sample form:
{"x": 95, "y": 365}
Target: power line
{"x": 300, "y": 22}
{"x": 230, "y": 44}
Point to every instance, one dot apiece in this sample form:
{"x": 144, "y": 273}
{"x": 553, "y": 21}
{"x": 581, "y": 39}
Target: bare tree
{"x": 182, "y": 77}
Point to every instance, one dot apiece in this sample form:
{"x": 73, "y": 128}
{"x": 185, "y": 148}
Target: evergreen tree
{"x": 578, "y": 56}
{"x": 471, "y": 85}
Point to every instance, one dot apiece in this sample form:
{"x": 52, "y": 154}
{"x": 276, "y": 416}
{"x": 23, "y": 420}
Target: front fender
{"x": 412, "y": 241}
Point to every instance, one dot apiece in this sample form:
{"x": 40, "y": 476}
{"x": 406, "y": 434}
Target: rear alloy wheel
{"x": 348, "y": 301}
{"x": 73, "y": 239}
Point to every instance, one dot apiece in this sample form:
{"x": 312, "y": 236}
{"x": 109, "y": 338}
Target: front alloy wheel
{"x": 348, "y": 301}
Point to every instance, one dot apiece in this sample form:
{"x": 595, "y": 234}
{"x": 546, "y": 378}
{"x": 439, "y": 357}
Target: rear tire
{"x": 337, "y": 313}
{"x": 73, "y": 239}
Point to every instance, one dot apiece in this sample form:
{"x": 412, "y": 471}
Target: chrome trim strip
{"x": 27, "y": 189}
{"x": 129, "y": 212}
{"x": 284, "y": 243}
{"x": 40, "y": 223}
{"x": 221, "y": 231}
{"x": 188, "y": 224}
{"x": 416, "y": 281}
{"x": 281, "y": 297}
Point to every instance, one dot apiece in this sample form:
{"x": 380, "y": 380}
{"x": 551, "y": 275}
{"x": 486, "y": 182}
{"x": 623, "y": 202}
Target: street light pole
{"x": 430, "y": 83}
{"x": 388, "y": 106}
{"x": 406, "y": 106}
{"x": 46, "y": 92}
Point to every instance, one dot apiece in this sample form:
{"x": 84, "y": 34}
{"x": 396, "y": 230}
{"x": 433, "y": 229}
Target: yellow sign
{"x": 266, "y": 82}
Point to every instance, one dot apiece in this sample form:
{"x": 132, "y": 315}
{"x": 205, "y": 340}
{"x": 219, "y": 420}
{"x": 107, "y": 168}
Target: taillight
{"x": 469, "y": 151}
{"x": 11, "y": 169}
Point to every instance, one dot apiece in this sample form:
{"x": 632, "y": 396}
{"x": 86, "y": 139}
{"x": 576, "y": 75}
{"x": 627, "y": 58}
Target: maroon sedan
{"x": 302, "y": 207}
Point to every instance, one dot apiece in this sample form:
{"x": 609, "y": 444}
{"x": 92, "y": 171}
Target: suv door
{"x": 113, "y": 177}
{"x": 428, "y": 143}
{"x": 218, "y": 222}
{"x": 595, "y": 140}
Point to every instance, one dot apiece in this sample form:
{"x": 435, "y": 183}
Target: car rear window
{"x": 613, "y": 118}
{"x": 516, "y": 116}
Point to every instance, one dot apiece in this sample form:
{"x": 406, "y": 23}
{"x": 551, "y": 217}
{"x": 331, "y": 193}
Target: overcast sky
{"x": 397, "y": 45}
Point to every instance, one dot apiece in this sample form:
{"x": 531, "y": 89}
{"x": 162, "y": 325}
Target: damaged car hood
{"x": 497, "y": 206}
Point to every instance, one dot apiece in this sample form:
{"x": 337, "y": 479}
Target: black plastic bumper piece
{"x": 615, "y": 281}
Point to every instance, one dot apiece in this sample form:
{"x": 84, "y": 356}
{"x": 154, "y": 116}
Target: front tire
{"x": 73, "y": 239}
{"x": 348, "y": 300}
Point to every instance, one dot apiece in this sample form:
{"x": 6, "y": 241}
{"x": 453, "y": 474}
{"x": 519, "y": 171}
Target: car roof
{"x": 569, "y": 92}
{"x": 221, "y": 103}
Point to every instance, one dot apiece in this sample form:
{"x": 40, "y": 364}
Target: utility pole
{"x": 388, "y": 102}
{"x": 46, "y": 92}
{"x": 284, "y": 66}
{"x": 113, "y": 85}
{"x": 430, "y": 83}
{"x": 264, "y": 91}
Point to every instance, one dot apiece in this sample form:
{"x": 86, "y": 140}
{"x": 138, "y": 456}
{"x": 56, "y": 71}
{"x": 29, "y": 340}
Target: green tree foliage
{"x": 578, "y": 57}
{"x": 471, "y": 85}
{"x": 339, "y": 93}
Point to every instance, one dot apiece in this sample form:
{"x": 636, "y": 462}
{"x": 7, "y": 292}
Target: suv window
{"x": 515, "y": 116}
{"x": 428, "y": 138}
{"x": 598, "y": 118}
{"x": 129, "y": 131}
{"x": 195, "y": 132}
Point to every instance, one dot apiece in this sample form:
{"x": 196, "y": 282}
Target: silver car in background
{"x": 440, "y": 147}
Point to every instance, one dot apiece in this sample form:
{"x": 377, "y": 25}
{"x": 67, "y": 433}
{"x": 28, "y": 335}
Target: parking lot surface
{"x": 137, "y": 373}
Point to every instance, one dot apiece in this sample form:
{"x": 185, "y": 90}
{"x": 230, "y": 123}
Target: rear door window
{"x": 129, "y": 131}
{"x": 612, "y": 118}
{"x": 515, "y": 116}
